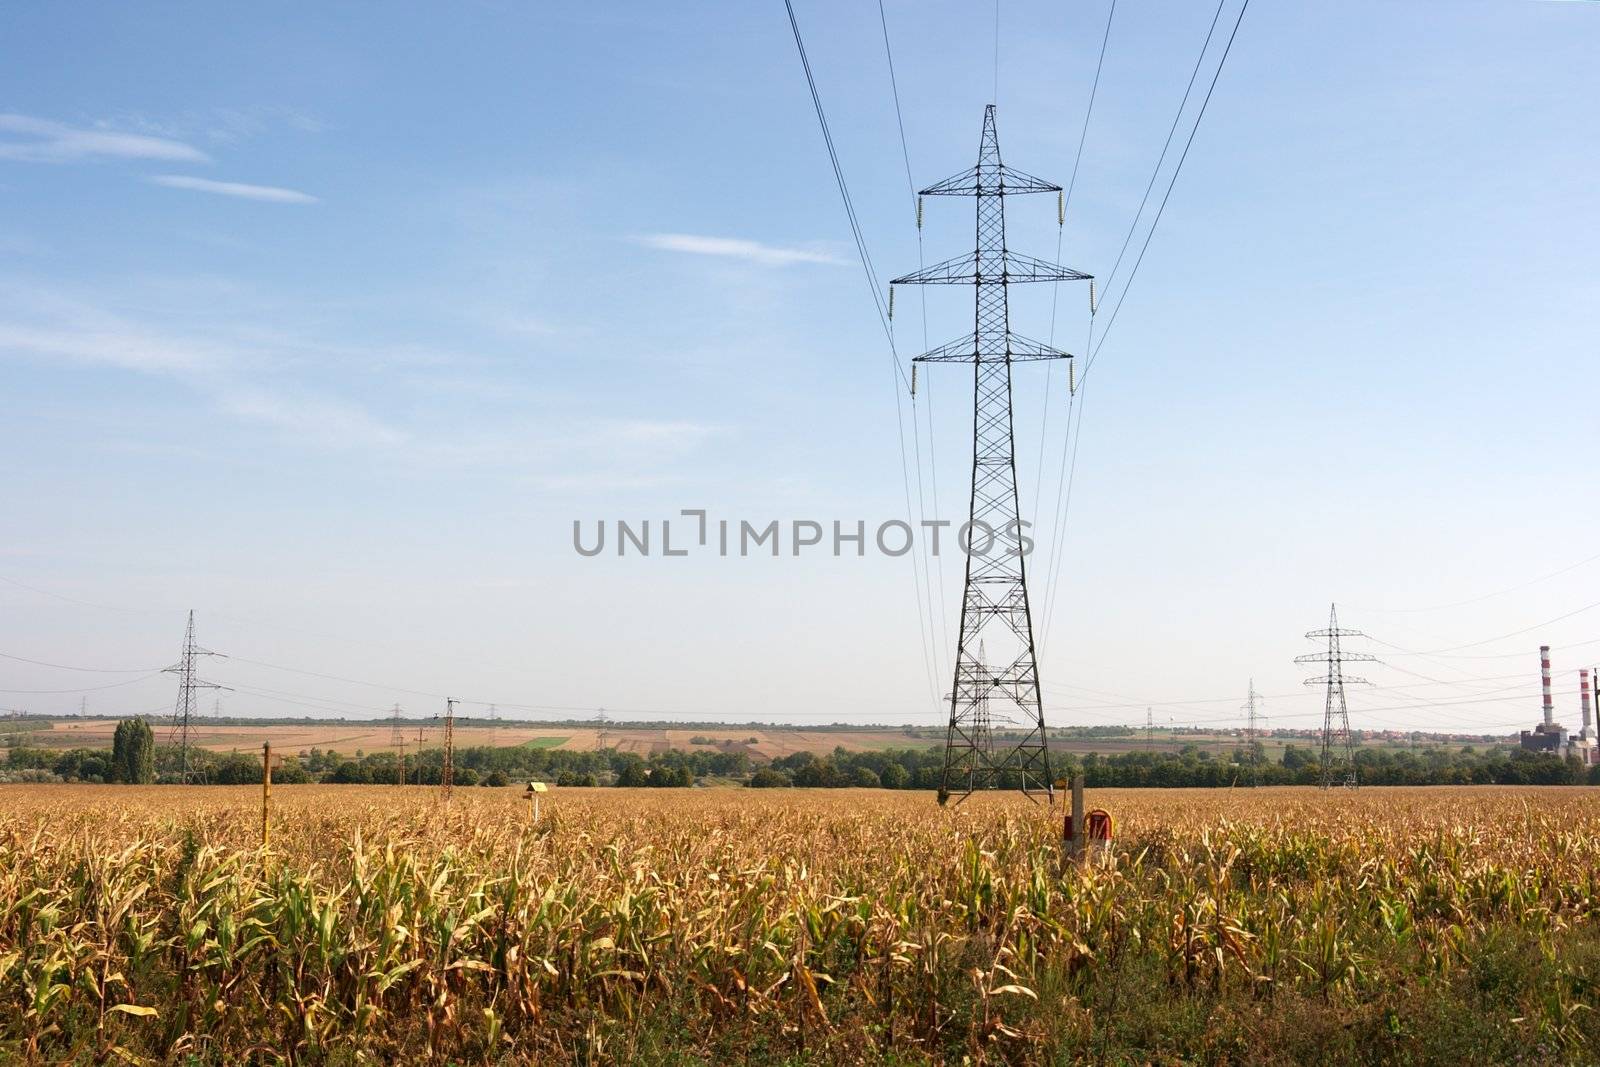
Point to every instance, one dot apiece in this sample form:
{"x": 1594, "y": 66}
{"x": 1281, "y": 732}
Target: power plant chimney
{"x": 1583, "y": 694}
{"x": 1544, "y": 676}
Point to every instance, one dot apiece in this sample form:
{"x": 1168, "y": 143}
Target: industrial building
{"x": 1552, "y": 737}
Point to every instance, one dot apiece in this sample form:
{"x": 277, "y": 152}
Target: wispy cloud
{"x": 34, "y": 140}
{"x": 240, "y": 374}
{"x": 736, "y": 248}
{"x": 311, "y": 419}
{"x": 271, "y": 193}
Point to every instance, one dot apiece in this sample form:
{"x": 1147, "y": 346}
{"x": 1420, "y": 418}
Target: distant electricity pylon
{"x": 996, "y": 587}
{"x": 447, "y": 774}
{"x": 1338, "y": 747}
{"x": 183, "y": 713}
{"x": 422, "y": 734}
{"x": 1252, "y": 758}
{"x": 397, "y": 741}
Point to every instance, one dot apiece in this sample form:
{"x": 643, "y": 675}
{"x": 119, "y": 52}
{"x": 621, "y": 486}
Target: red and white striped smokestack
{"x": 1583, "y": 694}
{"x": 1544, "y": 677}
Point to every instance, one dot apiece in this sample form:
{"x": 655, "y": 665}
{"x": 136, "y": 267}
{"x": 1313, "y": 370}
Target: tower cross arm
{"x": 1341, "y": 655}
{"x": 990, "y": 181}
{"x": 1017, "y": 349}
{"x": 1347, "y": 679}
{"x": 1014, "y": 267}
{"x": 1021, "y": 268}
{"x": 962, "y": 270}
{"x": 1025, "y": 349}
{"x": 1335, "y": 632}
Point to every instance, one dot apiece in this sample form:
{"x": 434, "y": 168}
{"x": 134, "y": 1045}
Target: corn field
{"x": 147, "y": 925}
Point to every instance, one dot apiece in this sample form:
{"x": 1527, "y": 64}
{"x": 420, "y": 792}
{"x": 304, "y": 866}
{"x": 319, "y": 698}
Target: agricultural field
{"x": 367, "y": 735}
{"x": 763, "y": 742}
{"x": 1284, "y": 926}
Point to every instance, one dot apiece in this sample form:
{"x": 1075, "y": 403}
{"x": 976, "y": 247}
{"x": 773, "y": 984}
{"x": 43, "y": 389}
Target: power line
{"x": 1491, "y": 640}
{"x": 1177, "y": 170}
{"x": 85, "y": 689}
{"x": 935, "y": 637}
{"x": 1088, "y": 112}
{"x": 883, "y": 320}
{"x": 1055, "y": 290}
{"x": 844, "y": 194}
{"x": 1486, "y": 596}
{"x": 1177, "y": 118}
{"x": 84, "y": 670}
{"x": 1075, "y": 428}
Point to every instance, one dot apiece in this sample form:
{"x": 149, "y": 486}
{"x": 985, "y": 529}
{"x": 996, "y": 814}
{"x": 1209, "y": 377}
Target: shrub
{"x": 767, "y": 778}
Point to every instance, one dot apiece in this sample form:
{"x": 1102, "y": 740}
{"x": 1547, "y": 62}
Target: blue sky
{"x": 329, "y": 323}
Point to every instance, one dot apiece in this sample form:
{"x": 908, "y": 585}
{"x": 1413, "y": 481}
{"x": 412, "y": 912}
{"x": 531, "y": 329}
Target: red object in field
{"x": 1096, "y": 826}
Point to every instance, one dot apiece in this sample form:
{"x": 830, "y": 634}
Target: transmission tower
{"x": 1252, "y": 758}
{"x": 447, "y": 774}
{"x": 422, "y": 733}
{"x": 1338, "y": 747}
{"x": 1150, "y": 729}
{"x": 397, "y": 741}
{"x": 604, "y": 735}
{"x": 183, "y": 713}
{"x": 994, "y": 601}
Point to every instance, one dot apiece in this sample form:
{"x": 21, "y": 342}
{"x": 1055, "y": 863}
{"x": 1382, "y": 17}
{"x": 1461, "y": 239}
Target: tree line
{"x": 135, "y": 758}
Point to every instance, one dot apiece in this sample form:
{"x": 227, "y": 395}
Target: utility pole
{"x": 1338, "y": 747}
{"x": 183, "y": 712}
{"x": 994, "y": 600}
{"x": 448, "y": 774}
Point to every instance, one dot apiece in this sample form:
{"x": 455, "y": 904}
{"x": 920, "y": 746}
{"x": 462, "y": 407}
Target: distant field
{"x": 759, "y": 742}
{"x": 348, "y": 738}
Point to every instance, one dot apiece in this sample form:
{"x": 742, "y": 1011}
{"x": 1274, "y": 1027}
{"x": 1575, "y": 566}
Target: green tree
{"x": 133, "y": 752}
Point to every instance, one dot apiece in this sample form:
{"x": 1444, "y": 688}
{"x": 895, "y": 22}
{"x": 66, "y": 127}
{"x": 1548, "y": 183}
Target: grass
{"x": 546, "y": 742}
{"x": 710, "y": 926}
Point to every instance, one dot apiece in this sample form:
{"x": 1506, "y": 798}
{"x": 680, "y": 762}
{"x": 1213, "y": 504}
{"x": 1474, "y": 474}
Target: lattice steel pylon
{"x": 994, "y": 603}
{"x": 397, "y": 741}
{"x": 447, "y": 773}
{"x": 1338, "y": 747}
{"x": 183, "y": 712}
{"x": 1252, "y": 755}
